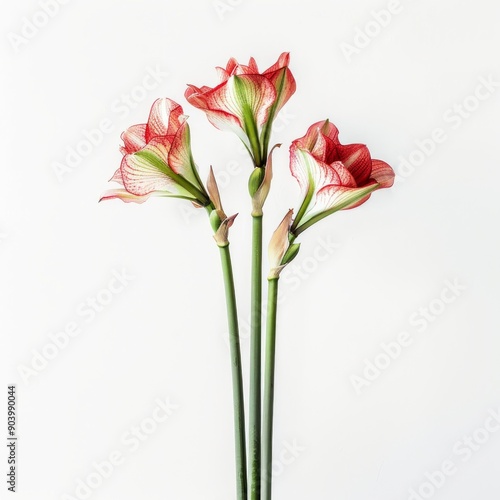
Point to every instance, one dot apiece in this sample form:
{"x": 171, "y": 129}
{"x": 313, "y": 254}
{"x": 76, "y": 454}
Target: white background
{"x": 164, "y": 335}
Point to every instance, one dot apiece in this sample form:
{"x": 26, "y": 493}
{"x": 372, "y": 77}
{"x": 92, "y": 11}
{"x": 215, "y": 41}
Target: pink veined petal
{"x": 251, "y": 69}
{"x": 141, "y": 177}
{"x": 321, "y": 147}
{"x": 194, "y": 93}
{"x": 329, "y": 152}
{"x": 179, "y": 156}
{"x": 298, "y": 168}
{"x": 226, "y": 104}
{"x": 382, "y": 173}
{"x": 124, "y": 195}
{"x": 285, "y": 86}
{"x": 227, "y": 122}
{"x": 283, "y": 61}
{"x": 341, "y": 198}
{"x": 329, "y": 132}
{"x": 241, "y": 93}
{"x": 309, "y": 171}
{"x": 222, "y": 74}
{"x": 309, "y": 140}
{"x": 345, "y": 177}
{"x": 357, "y": 159}
{"x": 232, "y": 64}
{"x": 165, "y": 118}
{"x": 252, "y": 65}
{"x": 198, "y": 97}
{"x": 117, "y": 177}
{"x": 219, "y": 119}
{"x": 134, "y": 139}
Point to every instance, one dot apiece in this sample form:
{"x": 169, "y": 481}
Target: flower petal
{"x": 311, "y": 173}
{"x": 382, "y": 173}
{"x": 251, "y": 69}
{"x": 238, "y": 96}
{"x": 282, "y": 62}
{"x": 329, "y": 133}
{"x": 179, "y": 156}
{"x": 117, "y": 177}
{"x": 141, "y": 176}
{"x": 346, "y": 179}
{"x": 333, "y": 198}
{"x": 134, "y": 138}
{"x": 124, "y": 195}
{"x": 357, "y": 159}
{"x": 283, "y": 81}
{"x": 165, "y": 118}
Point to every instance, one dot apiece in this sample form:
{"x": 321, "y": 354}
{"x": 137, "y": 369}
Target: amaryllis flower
{"x": 333, "y": 176}
{"x": 157, "y": 159}
{"x": 246, "y": 101}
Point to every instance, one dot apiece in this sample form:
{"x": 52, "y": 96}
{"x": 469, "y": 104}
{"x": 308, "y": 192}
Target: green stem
{"x": 267, "y": 434}
{"x": 238, "y": 401}
{"x": 255, "y": 359}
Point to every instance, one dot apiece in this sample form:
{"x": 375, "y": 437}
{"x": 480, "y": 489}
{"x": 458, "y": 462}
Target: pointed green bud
{"x": 255, "y": 180}
{"x": 260, "y": 195}
{"x": 279, "y": 245}
{"x": 215, "y": 220}
{"x": 291, "y": 253}
{"x": 221, "y": 235}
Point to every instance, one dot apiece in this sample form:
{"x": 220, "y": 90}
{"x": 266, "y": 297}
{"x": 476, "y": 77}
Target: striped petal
{"x": 141, "y": 175}
{"x": 165, "y": 118}
{"x": 382, "y": 173}
{"x": 357, "y": 159}
{"x": 312, "y": 174}
{"x": 124, "y": 195}
{"x": 251, "y": 69}
{"x": 134, "y": 139}
{"x": 334, "y": 198}
{"x": 283, "y": 81}
{"x": 320, "y": 139}
{"x": 117, "y": 177}
{"x": 180, "y": 158}
{"x": 230, "y": 103}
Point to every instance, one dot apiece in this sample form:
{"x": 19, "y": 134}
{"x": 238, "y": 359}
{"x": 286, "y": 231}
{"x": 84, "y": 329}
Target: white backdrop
{"x": 113, "y": 315}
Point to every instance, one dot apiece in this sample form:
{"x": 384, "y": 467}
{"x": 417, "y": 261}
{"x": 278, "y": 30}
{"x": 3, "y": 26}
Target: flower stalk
{"x": 255, "y": 406}
{"x": 267, "y": 430}
{"x": 236, "y": 372}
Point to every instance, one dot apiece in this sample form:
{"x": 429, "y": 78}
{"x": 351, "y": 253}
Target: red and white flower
{"x": 157, "y": 159}
{"x": 246, "y": 101}
{"x": 331, "y": 175}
